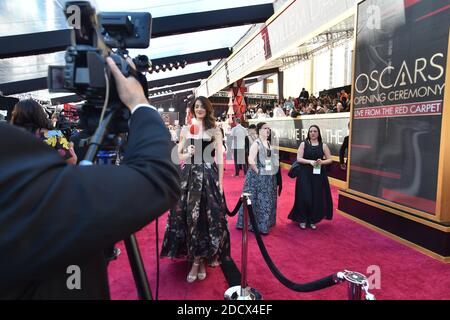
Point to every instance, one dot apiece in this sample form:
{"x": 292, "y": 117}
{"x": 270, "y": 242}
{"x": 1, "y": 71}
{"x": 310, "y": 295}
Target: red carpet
{"x": 301, "y": 255}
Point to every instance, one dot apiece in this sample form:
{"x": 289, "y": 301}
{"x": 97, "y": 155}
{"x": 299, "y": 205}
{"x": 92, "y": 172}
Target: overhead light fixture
{"x": 171, "y": 109}
{"x": 160, "y": 109}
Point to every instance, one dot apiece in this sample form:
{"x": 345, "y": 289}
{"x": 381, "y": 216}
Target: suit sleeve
{"x": 52, "y": 213}
{"x": 342, "y": 150}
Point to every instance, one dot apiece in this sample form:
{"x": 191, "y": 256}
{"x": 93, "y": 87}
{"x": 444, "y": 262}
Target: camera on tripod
{"x": 85, "y": 72}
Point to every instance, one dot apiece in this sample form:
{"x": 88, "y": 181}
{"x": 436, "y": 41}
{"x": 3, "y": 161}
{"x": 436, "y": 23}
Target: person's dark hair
{"x": 320, "y": 135}
{"x": 259, "y": 126}
{"x": 30, "y": 115}
{"x": 252, "y": 126}
{"x": 209, "y": 122}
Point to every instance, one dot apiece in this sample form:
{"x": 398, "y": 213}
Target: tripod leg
{"x": 134, "y": 255}
{"x": 137, "y": 267}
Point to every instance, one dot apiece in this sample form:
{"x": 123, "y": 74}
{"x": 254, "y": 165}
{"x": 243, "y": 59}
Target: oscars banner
{"x": 398, "y": 90}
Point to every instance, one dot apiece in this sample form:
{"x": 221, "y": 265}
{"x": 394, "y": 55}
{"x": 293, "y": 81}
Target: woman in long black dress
{"x": 197, "y": 227}
{"x": 312, "y": 191}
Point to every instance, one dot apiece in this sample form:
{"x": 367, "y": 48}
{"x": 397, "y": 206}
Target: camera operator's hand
{"x": 129, "y": 89}
{"x": 131, "y": 63}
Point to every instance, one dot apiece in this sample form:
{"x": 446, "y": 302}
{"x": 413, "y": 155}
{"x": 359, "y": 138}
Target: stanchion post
{"x": 243, "y": 292}
{"x": 354, "y": 291}
{"x": 244, "y": 246}
{"x": 357, "y": 282}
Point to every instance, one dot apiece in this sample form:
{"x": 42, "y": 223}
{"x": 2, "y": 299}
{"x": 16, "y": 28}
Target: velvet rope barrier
{"x": 236, "y": 208}
{"x": 323, "y": 283}
{"x": 356, "y": 281}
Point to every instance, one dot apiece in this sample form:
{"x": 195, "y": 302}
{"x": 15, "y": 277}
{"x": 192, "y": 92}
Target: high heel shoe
{"x": 215, "y": 263}
{"x": 201, "y": 275}
{"x": 192, "y": 277}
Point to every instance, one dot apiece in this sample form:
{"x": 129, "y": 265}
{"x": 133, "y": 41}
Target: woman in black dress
{"x": 312, "y": 191}
{"x": 197, "y": 227}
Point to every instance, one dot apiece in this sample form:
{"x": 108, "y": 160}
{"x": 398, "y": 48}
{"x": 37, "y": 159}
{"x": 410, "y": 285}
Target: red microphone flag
{"x": 194, "y": 129}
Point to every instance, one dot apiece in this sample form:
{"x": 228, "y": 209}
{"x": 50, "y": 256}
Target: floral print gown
{"x": 197, "y": 225}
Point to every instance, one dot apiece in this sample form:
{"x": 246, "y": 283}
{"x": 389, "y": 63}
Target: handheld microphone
{"x": 194, "y": 129}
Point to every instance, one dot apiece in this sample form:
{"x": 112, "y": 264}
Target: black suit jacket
{"x": 342, "y": 150}
{"x": 53, "y": 215}
{"x": 304, "y": 95}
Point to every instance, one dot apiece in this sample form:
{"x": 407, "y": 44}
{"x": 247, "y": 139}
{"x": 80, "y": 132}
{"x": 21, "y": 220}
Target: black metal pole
{"x": 357, "y": 282}
{"x": 354, "y": 291}
{"x": 134, "y": 255}
{"x": 244, "y": 247}
{"x": 137, "y": 268}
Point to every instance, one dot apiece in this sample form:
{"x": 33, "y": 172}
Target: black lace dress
{"x": 197, "y": 226}
{"x": 313, "y": 200}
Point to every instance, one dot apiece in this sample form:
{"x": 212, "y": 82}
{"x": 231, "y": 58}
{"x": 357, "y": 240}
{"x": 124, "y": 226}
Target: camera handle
{"x": 134, "y": 255}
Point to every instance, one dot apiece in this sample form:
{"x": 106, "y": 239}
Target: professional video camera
{"x": 86, "y": 73}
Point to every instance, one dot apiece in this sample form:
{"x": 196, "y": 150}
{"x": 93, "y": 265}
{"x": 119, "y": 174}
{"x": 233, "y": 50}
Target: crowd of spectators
{"x": 305, "y": 104}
